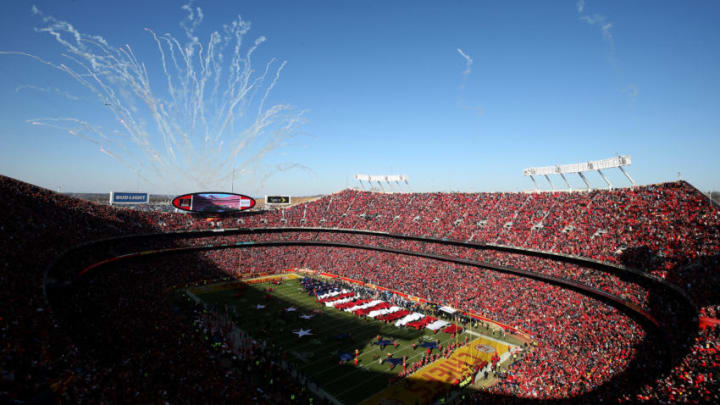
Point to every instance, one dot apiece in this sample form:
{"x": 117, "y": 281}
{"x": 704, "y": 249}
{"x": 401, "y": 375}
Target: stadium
{"x": 585, "y": 296}
{"x": 179, "y": 225}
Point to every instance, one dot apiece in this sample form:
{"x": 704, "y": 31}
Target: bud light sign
{"x": 117, "y": 197}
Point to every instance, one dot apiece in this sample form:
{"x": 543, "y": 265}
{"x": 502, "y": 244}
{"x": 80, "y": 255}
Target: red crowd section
{"x": 670, "y": 230}
{"x": 667, "y": 229}
{"x": 672, "y": 223}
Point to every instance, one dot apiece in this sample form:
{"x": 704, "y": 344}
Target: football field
{"x": 316, "y": 338}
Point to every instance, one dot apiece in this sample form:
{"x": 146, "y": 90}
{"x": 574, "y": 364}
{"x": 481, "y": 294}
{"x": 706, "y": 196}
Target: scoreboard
{"x": 277, "y": 199}
{"x": 213, "y": 202}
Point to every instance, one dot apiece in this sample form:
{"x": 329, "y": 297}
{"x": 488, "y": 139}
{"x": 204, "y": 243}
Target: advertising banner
{"x": 117, "y": 197}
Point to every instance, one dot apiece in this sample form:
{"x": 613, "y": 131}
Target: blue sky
{"x": 388, "y": 88}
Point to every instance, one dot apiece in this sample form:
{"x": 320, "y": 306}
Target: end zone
{"x": 462, "y": 367}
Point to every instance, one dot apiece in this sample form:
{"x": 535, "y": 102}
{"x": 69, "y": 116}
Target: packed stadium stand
{"x": 652, "y": 250}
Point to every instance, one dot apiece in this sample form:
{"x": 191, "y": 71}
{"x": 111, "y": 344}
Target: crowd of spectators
{"x": 670, "y": 230}
{"x": 695, "y": 379}
{"x": 36, "y": 226}
{"x": 120, "y": 338}
{"x": 663, "y": 229}
{"x": 582, "y": 343}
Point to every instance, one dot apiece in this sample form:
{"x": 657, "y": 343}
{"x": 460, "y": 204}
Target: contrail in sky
{"x": 468, "y": 62}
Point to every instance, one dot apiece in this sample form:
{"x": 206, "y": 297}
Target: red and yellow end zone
{"x": 265, "y": 279}
{"x": 431, "y": 380}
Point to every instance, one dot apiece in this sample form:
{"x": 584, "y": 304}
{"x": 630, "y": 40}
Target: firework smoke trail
{"x": 207, "y": 118}
{"x": 47, "y": 90}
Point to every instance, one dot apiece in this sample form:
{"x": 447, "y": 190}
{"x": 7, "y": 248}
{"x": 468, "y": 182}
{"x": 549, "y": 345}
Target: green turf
{"x": 317, "y": 356}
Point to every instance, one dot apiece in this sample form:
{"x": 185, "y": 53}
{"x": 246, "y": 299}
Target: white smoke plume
{"x": 210, "y": 115}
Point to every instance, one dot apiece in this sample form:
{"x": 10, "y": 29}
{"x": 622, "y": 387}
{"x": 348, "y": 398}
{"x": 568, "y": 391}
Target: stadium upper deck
{"x": 666, "y": 228}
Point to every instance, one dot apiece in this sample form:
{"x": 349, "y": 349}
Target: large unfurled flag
{"x": 363, "y": 306}
{"x": 303, "y": 332}
{"x": 341, "y": 301}
{"x": 394, "y": 361}
{"x": 346, "y": 305}
{"x": 338, "y": 297}
{"x": 365, "y": 311}
{"x": 436, "y": 325}
{"x": 331, "y": 294}
{"x": 421, "y": 323}
{"x": 454, "y": 329}
{"x": 327, "y": 294}
{"x": 409, "y": 318}
{"x": 373, "y": 314}
{"x": 393, "y": 316}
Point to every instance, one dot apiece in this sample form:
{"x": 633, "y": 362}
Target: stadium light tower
{"x": 595, "y": 165}
{"x": 380, "y": 179}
